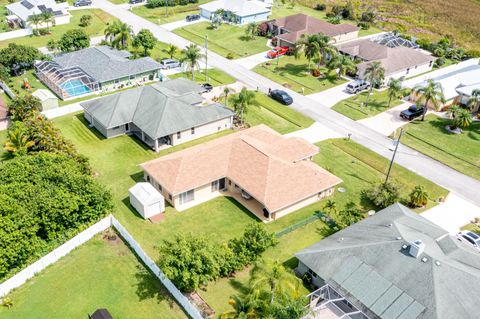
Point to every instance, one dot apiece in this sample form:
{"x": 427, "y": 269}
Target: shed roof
{"x": 44, "y": 94}
{"x": 158, "y": 110}
{"x": 145, "y": 193}
{"x": 241, "y": 8}
{"x": 367, "y": 263}
{"x": 104, "y": 63}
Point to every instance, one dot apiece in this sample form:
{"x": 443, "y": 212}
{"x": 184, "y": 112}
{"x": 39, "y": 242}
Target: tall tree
{"x": 242, "y": 309}
{"x": 74, "y": 40}
{"x": 309, "y": 47}
{"x": 35, "y": 19}
{"x": 226, "y": 92}
{"x": 324, "y": 47}
{"x": 18, "y": 143}
{"x": 432, "y": 92}
{"x": 395, "y": 90}
{"x": 171, "y": 50}
{"x": 119, "y": 34}
{"x": 374, "y": 74}
{"x": 474, "y": 100}
{"x": 146, "y": 40}
{"x": 341, "y": 64}
{"x": 242, "y": 102}
{"x": 330, "y": 206}
{"x": 47, "y": 18}
{"x": 252, "y": 30}
{"x": 18, "y": 58}
{"x": 191, "y": 58}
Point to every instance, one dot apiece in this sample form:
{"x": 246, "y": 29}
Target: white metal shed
{"x": 146, "y": 200}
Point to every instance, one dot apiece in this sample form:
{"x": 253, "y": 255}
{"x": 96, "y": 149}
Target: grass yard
{"x": 99, "y": 21}
{"x": 16, "y": 84}
{"x": 176, "y": 13}
{"x": 226, "y": 40}
{"x": 98, "y": 274}
{"x": 293, "y": 73}
{"x": 352, "y": 107}
{"x": 279, "y": 11}
{"x": 216, "y": 77}
{"x": 460, "y": 152}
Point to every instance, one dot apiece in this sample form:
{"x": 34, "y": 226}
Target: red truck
{"x": 277, "y": 51}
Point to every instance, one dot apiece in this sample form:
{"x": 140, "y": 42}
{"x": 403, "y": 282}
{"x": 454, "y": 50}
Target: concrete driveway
{"x": 182, "y": 23}
{"x": 453, "y": 214}
{"x": 251, "y": 61}
{"x": 332, "y": 96}
{"x": 387, "y": 122}
{"x": 315, "y": 133}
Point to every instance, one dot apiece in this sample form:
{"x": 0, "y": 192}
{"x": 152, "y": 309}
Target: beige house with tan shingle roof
{"x": 268, "y": 173}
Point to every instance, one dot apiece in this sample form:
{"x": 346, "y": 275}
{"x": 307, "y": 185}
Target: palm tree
{"x": 171, "y": 50}
{"x": 241, "y": 309}
{"x": 251, "y": 30}
{"x": 330, "y": 206}
{"x": 18, "y": 143}
{"x": 342, "y": 64}
{"x": 395, "y": 90}
{"x": 242, "y": 102}
{"x": 119, "y": 34}
{"x": 324, "y": 47}
{"x": 431, "y": 93}
{"x": 418, "y": 196}
{"x": 474, "y": 99}
{"x": 35, "y": 19}
{"x": 309, "y": 46}
{"x": 374, "y": 74}
{"x": 226, "y": 92}
{"x": 191, "y": 58}
{"x": 47, "y": 17}
{"x": 463, "y": 118}
{"x": 275, "y": 279}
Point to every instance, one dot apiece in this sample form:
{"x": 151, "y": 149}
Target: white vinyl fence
{"x": 63, "y": 250}
{"x": 15, "y": 34}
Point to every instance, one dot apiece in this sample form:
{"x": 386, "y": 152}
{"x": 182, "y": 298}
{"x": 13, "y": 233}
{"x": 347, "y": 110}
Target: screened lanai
{"x": 66, "y": 82}
{"x": 393, "y": 40}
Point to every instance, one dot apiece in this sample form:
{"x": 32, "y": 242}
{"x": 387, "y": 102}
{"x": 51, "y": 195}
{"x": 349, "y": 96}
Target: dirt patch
{"x": 202, "y": 305}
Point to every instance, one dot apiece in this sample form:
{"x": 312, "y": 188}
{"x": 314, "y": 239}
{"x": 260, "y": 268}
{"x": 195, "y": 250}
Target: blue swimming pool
{"x": 75, "y": 87}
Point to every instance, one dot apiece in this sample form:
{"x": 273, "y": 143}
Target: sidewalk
{"x": 182, "y": 23}
{"x": 387, "y": 122}
{"x": 315, "y": 133}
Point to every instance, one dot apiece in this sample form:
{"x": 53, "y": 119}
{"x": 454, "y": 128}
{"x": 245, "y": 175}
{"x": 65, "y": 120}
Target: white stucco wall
{"x": 203, "y": 130}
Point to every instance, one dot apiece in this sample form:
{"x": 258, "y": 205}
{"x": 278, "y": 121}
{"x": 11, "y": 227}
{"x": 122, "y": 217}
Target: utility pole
{"x": 206, "y": 57}
{"x": 166, "y": 8}
{"x": 394, "y": 153}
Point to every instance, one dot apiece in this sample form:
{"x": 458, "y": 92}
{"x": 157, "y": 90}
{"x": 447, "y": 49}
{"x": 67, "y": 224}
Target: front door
{"x": 221, "y": 185}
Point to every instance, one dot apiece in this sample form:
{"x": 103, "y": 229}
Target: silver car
{"x": 169, "y": 64}
{"x": 470, "y": 238}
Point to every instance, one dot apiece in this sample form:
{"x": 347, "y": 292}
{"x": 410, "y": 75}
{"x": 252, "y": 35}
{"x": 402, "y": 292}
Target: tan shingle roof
{"x": 300, "y": 24}
{"x": 261, "y": 161}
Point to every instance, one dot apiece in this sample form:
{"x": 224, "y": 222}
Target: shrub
{"x": 334, "y": 20}
{"x": 43, "y": 31}
{"x": 368, "y": 16}
{"x": 418, "y": 197}
{"x": 230, "y": 56}
{"x": 320, "y": 7}
{"x": 262, "y": 29}
{"x": 316, "y": 73}
{"x": 363, "y": 25}
{"x": 85, "y": 20}
{"x": 383, "y": 195}
{"x": 440, "y": 61}
{"x": 274, "y": 41}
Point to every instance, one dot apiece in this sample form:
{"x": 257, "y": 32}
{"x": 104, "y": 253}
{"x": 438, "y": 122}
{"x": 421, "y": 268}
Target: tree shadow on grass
{"x": 239, "y": 286}
{"x": 149, "y": 287}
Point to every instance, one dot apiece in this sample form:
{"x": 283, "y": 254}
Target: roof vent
{"x": 437, "y": 263}
{"x": 398, "y": 238}
{"x": 424, "y": 259}
{"x": 389, "y": 225}
{"x": 417, "y": 248}
{"x": 404, "y": 246}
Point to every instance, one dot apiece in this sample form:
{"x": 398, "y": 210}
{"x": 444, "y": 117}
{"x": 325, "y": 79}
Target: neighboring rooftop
{"x": 26, "y": 8}
{"x": 267, "y": 165}
{"x": 300, "y": 24}
{"x": 392, "y": 59}
{"x": 104, "y": 63}
{"x": 368, "y": 264}
{"x": 240, "y": 8}
{"x": 158, "y": 110}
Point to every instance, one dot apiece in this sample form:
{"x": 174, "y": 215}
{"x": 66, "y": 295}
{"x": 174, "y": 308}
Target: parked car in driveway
{"x": 82, "y": 3}
{"x": 277, "y": 51}
{"x": 135, "y": 1}
{"x": 281, "y": 96}
{"x": 357, "y": 86}
{"x": 169, "y": 64}
{"x": 412, "y": 112}
{"x": 207, "y": 86}
{"x": 470, "y": 238}
{"x": 192, "y": 17}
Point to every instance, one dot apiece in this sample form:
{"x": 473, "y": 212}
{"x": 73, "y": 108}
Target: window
{"x": 215, "y": 186}
{"x": 126, "y": 127}
{"x": 186, "y": 197}
{"x": 312, "y": 273}
{"x": 179, "y": 135}
{"x": 159, "y": 187}
{"x": 408, "y": 70}
{"x": 116, "y": 81}
{"x": 170, "y": 196}
{"x": 430, "y": 64}
{"x": 192, "y": 130}
{"x": 132, "y": 77}
{"x": 148, "y": 178}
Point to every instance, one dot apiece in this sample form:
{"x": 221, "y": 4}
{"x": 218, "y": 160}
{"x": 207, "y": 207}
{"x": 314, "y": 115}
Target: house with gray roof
{"x": 19, "y": 12}
{"x": 396, "y": 265}
{"x": 95, "y": 69}
{"x": 161, "y": 115}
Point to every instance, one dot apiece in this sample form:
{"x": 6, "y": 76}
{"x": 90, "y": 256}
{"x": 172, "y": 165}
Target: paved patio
{"x": 251, "y": 204}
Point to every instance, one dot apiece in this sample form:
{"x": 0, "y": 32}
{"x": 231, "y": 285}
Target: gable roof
{"x": 241, "y": 8}
{"x": 300, "y": 24}
{"x": 392, "y": 59}
{"x": 104, "y": 63}
{"x": 158, "y": 110}
{"x": 26, "y": 8}
{"x": 367, "y": 263}
{"x": 267, "y": 165}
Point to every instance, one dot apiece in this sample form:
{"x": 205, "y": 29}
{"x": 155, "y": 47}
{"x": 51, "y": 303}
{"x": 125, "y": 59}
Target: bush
{"x": 262, "y": 29}
{"x": 43, "y": 31}
{"x": 440, "y": 61}
{"x": 85, "y": 20}
{"x": 230, "y": 56}
{"x": 384, "y": 194}
{"x": 320, "y": 7}
{"x": 363, "y": 25}
{"x": 334, "y": 20}
{"x": 316, "y": 73}
{"x": 368, "y": 16}
{"x": 418, "y": 196}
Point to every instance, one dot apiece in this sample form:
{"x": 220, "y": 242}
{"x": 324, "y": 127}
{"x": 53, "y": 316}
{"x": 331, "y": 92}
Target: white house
{"x": 146, "y": 200}
{"x": 19, "y": 12}
{"x": 238, "y": 11}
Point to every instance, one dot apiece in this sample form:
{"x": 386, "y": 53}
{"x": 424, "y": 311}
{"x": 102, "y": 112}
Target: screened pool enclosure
{"x": 66, "y": 82}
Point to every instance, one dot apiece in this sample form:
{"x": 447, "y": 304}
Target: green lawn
{"x": 99, "y": 21}
{"x": 354, "y": 109}
{"x": 227, "y": 39}
{"x": 460, "y": 152}
{"x": 216, "y": 77}
{"x": 158, "y": 15}
{"x": 286, "y": 10}
{"x": 293, "y": 73}
{"x": 16, "y": 83}
{"x": 98, "y": 274}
